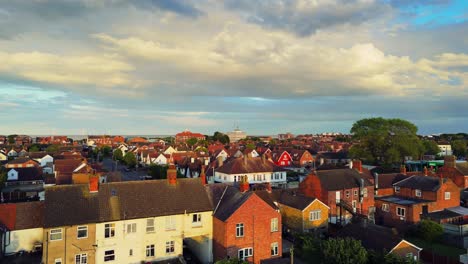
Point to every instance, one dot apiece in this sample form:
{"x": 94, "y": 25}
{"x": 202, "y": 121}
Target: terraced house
{"x": 128, "y": 222}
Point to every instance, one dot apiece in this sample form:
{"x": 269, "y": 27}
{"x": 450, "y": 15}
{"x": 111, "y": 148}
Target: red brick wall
{"x": 311, "y": 187}
{"x": 306, "y": 158}
{"x": 452, "y": 173}
{"x": 219, "y": 239}
{"x": 256, "y": 216}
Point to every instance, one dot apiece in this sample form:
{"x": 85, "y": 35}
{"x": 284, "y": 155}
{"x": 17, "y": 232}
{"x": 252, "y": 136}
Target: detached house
{"x": 245, "y": 226}
{"x": 414, "y": 196}
{"x": 23, "y": 184}
{"x": 281, "y": 158}
{"x": 301, "y": 158}
{"x": 348, "y": 192}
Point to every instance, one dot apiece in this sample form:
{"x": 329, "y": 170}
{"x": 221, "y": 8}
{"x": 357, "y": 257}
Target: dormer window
{"x": 418, "y": 193}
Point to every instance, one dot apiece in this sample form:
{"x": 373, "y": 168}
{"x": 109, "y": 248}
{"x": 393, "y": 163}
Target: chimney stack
{"x": 245, "y": 159}
{"x": 441, "y": 179}
{"x": 244, "y": 184}
{"x": 425, "y": 171}
{"x": 376, "y": 182}
{"x": 93, "y": 184}
{"x": 450, "y": 161}
{"x": 203, "y": 175}
{"x": 263, "y": 158}
{"x": 268, "y": 187}
{"x": 403, "y": 169}
{"x": 357, "y": 164}
{"x": 172, "y": 175}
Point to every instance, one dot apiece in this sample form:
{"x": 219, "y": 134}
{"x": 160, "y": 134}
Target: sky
{"x": 128, "y": 67}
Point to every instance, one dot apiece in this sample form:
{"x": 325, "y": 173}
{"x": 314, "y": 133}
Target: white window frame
{"x": 81, "y": 228}
{"x": 274, "y": 225}
{"x": 240, "y": 230}
{"x": 385, "y": 207}
{"x": 81, "y": 258}
{"x": 401, "y": 209}
{"x": 58, "y": 261}
{"x": 170, "y": 247}
{"x": 150, "y": 225}
{"x": 447, "y": 195}
{"x": 246, "y": 252}
{"x": 150, "y": 251}
{"x": 131, "y": 228}
{"x": 364, "y": 192}
{"x": 274, "y": 249}
{"x": 111, "y": 228}
{"x": 55, "y": 232}
{"x": 418, "y": 193}
{"x": 315, "y": 215}
{"x": 170, "y": 223}
{"x": 196, "y": 219}
{"x": 109, "y": 255}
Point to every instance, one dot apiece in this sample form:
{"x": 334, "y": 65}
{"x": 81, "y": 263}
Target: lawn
{"x": 439, "y": 249}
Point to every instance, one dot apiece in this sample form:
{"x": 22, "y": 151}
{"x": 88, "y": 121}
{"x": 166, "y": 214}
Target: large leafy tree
{"x": 430, "y": 147}
{"x": 130, "y": 160}
{"x": 385, "y": 141}
{"x": 118, "y": 155}
{"x": 191, "y": 142}
{"x": 430, "y": 231}
{"x": 343, "y": 251}
{"x": 459, "y": 147}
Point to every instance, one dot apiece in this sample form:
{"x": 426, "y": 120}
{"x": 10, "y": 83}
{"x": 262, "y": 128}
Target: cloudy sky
{"x": 267, "y": 66}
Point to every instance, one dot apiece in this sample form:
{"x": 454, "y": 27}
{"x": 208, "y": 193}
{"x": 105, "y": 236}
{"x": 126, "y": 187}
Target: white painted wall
{"x": 123, "y": 241}
{"x": 12, "y": 175}
{"x": 45, "y": 159}
{"x": 260, "y": 177}
{"x": 24, "y": 239}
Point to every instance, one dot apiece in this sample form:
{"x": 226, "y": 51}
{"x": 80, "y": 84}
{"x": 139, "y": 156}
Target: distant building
{"x": 186, "y": 135}
{"x": 445, "y": 149}
{"x": 285, "y": 136}
{"x": 236, "y": 135}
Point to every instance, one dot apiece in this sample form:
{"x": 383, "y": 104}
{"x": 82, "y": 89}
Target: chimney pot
{"x": 244, "y": 184}
{"x": 425, "y": 171}
{"x": 403, "y": 169}
{"x": 172, "y": 175}
{"x": 357, "y": 164}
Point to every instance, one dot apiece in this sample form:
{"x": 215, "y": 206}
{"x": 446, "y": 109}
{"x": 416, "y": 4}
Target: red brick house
{"x": 414, "y": 196}
{"x": 281, "y": 158}
{"x": 301, "y": 157}
{"x": 347, "y": 192}
{"x": 245, "y": 226}
{"x": 457, "y": 172}
{"x": 186, "y": 135}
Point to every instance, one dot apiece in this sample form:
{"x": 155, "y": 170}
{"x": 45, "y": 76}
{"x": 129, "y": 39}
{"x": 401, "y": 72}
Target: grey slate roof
{"x": 339, "y": 179}
{"x": 423, "y": 183}
{"x": 73, "y": 204}
{"x": 250, "y": 165}
{"x": 462, "y": 167}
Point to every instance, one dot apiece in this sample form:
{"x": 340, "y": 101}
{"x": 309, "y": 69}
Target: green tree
{"x": 307, "y": 246}
{"x": 221, "y": 137}
{"x": 343, "y": 251}
{"x": 459, "y": 147}
{"x": 191, "y": 142}
{"x": 157, "y": 171}
{"x": 34, "y": 148}
{"x": 387, "y": 258}
{"x": 118, "y": 155}
{"x": 3, "y": 177}
{"x": 53, "y": 148}
{"x": 250, "y": 146}
{"x": 130, "y": 160}
{"x": 429, "y": 230}
{"x": 11, "y": 139}
{"x": 430, "y": 147}
{"x": 385, "y": 141}
{"x": 106, "y": 151}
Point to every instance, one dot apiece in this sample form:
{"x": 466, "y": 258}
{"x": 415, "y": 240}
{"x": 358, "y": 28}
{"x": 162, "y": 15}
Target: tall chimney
{"x": 403, "y": 169}
{"x": 220, "y": 161}
{"x": 93, "y": 183}
{"x": 244, "y": 184}
{"x": 450, "y": 161}
{"x": 203, "y": 175}
{"x": 172, "y": 175}
{"x": 357, "y": 164}
{"x": 425, "y": 171}
{"x": 263, "y": 158}
{"x": 376, "y": 182}
{"x": 245, "y": 159}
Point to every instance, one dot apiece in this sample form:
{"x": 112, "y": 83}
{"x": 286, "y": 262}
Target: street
{"x": 134, "y": 174}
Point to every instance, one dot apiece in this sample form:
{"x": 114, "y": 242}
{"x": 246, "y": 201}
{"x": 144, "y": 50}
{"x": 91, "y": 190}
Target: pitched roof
{"x": 37, "y": 155}
{"x": 388, "y": 179}
{"x": 140, "y": 199}
{"x": 372, "y": 236}
{"x": 248, "y": 165}
{"x": 28, "y": 174}
{"x": 29, "y": 215}
{"x": 21, "y": 161}
{"x": 70, "y": 205}
{"x": 339, "y": 179}
{"x": 462, "y": 167}
{"x": 73, "y": 204}
{"x": 292, "y": 199}
{"x": 424, "y": 183}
